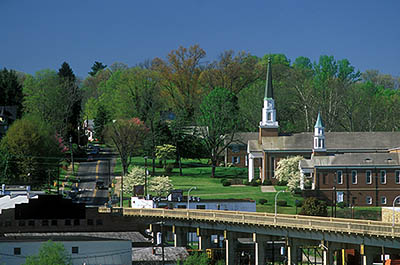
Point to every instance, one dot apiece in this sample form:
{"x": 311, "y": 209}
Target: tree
{"x": 97, "y": 66}
{"x": 127, "y": 137}
{"x": 161, "y": 185}
{"x": 50, "y": 253}
{"x": 312, "y": 206}
{"x": 69, "y": 83}
{"x": 48, "y": 98}
{"x": 100, "y": 121}
{"x": 135, "y": 177}
{"x": 233, "y": 72}
{"x": 197, "y": 259}
{"x": 181, "y": 74}
{"x": 10, "y": 90}
{"x": 219, "y": 121}
{"x": 288, "y": 171}
{"x": 33, "y": 152}
{"x": 164, "y": 152}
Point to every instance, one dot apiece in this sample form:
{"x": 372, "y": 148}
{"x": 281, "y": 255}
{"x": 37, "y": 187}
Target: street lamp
{"x": 394, "y": 202}
{"x": 188, "y": 198}
{"x": 145, "y": 176}
{"x": 276, "y": 196}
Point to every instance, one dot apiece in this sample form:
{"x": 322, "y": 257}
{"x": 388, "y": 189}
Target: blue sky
{"x": 40, "y": 34}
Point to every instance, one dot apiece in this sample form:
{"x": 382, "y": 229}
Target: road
{"x": 97, "y": 170}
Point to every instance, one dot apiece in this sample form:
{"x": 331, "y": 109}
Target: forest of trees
{"x": 225, "y": 95}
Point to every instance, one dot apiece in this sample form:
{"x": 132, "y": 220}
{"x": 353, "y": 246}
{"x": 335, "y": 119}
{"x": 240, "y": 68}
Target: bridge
{"x": 331, "y": 235}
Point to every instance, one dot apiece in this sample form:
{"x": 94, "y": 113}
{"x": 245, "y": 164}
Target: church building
{"x": 356, "y": 168}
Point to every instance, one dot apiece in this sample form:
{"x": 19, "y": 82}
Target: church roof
{"x": 269, "y": 91}
{"x": 335, "y": 141}
{"x": 353, "y": 160}
{"x": 319, "y": 123}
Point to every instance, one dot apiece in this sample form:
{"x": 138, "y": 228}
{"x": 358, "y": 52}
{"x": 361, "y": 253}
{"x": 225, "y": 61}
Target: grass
{"x": 197, "y": 173}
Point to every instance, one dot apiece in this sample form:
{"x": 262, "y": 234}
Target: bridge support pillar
{"x": 259, "y": 244}
{"x": 368, "y": 253}
{"x": 292, "y": 252}
{"x": 204, "y": 239}
{"x": 180, "y": 236}
{"x": 230, "y": 242}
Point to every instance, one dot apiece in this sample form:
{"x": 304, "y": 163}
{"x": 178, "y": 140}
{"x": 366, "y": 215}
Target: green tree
{"x": 10, "y": 90}
{"x": 312, "y": 206}
{"x": 97, "y": 66}
{"x": 164, "y": 152}
{"x": 50, "y": 253}
{"x": 100, "y": 121}
{"x": 33, "y": 152}
{"x": 197, "y": 259}
{"x": 69, "y": 82}
{"x": 127, "y": 137}
{"x": 218, "y": 118}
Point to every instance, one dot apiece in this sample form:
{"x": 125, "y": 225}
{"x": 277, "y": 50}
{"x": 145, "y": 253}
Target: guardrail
{"x": 325, "y": 224}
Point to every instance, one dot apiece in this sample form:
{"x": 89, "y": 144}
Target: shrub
{"x": 229, "y": 165}
{"x": 298, "y": 203}
{"x": 267, "y": 182}
{"x": 236, "y": 181}
{"x": 281, "y": 203}
{"x": 282, "y": 183}
{"x": 227, "y": 182}
{"x": 169, "y": 168}
{"x": 341, "y": 204}
{"x": 314, "y": 207}
{"x": 262, "y": 201}
{"x": 222, "y": 180}
{"x": 246, "y": 182}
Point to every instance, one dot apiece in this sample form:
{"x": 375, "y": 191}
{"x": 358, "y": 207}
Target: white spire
{"x": 319, "y": 135}
{"x": 268, "y": 111}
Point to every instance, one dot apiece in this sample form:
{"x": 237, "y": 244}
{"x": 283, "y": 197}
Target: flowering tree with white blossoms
{"x": 288, "y": 170}
{"x": 135, "y": 177}
{"x": 161, "y": 185}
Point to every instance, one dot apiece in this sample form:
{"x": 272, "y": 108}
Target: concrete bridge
{"x": 330, "y": 235}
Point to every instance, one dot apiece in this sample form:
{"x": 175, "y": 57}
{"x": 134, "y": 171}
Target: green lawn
{"x": 197, "y": 173}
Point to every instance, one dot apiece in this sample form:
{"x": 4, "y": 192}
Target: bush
{"x": 236, "y": 181}
{"x": 298, "y": 203}
{"x": 341, "y": 204}
{"x": 229, "y": 165}
{"x": 255, "y": 182}
{"x": 282, "y": 183}
{"x": 281, "y": 203}
{"x": 223, "y": 180}
{"x": 246, "y": 182}
{"x": 169, "y": 168}
{"x": 267, "y": 182}
{"x": 314, "y": 207}
{"x": 226, "y": 183}
{"x": 262, "y": 201}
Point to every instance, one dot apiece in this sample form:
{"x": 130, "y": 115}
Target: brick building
{"x": 357, "y": 168}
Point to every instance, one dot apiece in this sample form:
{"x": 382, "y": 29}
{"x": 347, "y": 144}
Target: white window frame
{"x": 341, "y": 177}
{"x": 235, "y": 160}
{"x": 380, "y": 176}
{"x": 383, "y": 200}
{"x": 368, "y": 200}
{"x": 354, "y": 177}
{"x": 397, "y": 176}
{"x": 370, "y": 177}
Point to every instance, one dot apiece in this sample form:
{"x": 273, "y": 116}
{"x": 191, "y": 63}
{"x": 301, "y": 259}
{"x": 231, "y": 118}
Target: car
{"x": 100, "y": 185}
{"x": 93, "y": 150}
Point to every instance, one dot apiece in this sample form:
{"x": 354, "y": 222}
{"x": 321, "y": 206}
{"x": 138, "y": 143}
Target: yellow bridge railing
{"x": 324, "y": 224}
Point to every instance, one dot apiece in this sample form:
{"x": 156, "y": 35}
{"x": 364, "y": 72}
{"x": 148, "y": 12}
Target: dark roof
{"x": 131, "y": 236}
{"x": 56, "y": 238}
{"x": 361, "y": 141}
{"x": 170, "y": 254}
{"x": 242, "y": 138}
{"x": 353, "y": 160}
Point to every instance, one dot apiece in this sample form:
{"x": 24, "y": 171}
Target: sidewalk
{"x": 268, "y": 189}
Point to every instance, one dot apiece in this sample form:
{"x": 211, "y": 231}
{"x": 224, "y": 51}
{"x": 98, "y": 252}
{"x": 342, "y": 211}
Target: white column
{"x": 251, "y": 167}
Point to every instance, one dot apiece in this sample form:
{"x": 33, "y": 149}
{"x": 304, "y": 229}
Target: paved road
{"x": 90, "y": 172}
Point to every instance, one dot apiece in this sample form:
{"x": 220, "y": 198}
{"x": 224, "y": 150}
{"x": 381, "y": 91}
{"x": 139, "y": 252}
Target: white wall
{"x": 90, "y": 252}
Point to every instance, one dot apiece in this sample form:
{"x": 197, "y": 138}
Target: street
{"x": 94, "y": 179}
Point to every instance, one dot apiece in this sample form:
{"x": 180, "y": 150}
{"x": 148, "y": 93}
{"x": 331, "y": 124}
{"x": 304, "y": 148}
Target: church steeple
{"x": 268, "y": 124}
{"x": 319, "y": 135}
{"x": 269, "y": 91}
